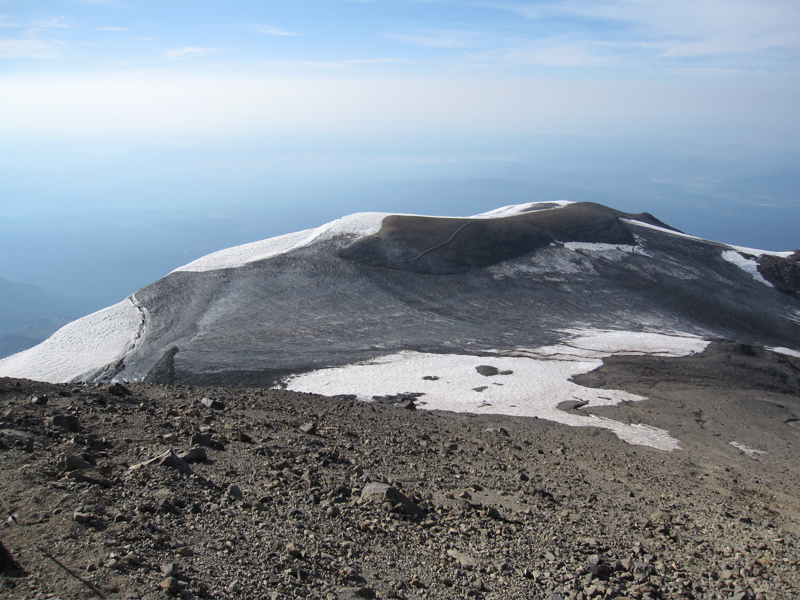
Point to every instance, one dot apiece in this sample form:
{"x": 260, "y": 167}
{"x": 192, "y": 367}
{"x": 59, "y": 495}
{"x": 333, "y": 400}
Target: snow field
{"x": 534, "y": 385}
{"x": 79, "y": 347}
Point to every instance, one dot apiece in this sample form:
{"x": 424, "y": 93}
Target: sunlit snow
{"x": 748, "y": 265}
{"x": 518, "y": 209}
{"x": 79, "y": 347}
{"x": 751, "y": 452}
{"x": 535, "y": 383}
{"x": 359, "y": 224}
{"x": 786, "y": 351}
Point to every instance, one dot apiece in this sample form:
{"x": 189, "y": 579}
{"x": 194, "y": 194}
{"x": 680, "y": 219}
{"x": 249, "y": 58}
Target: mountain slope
{"x": 371, "y": 285}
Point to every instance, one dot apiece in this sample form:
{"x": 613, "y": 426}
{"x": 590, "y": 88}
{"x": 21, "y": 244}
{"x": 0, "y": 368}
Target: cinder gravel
{"x": 259, "y": 493}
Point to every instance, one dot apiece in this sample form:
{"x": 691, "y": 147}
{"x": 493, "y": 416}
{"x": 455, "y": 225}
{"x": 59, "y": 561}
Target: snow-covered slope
{"x": 80, "y": 348}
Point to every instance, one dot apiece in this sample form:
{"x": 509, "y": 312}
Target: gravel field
{"x": 158, "y": 491}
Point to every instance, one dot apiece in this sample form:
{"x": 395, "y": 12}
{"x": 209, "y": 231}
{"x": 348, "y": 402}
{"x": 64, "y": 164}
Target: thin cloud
{"x": 4, "y": 23}
{"x": 435, "y": 39}
{"x": 111, "y": 3}
{"x": 723, "y": 30}
{"x": 113, "y": 28}
{"x": 51, "y": 23}
{"x": 10, "y": 48}
{"x": 365, "y": 61}
{"x": 560, "y": 55}
{"x": 318, "y": 64}
{"x": 272, "y": 30}
{"x": 190, "y": 52}
{"x": 302, "y": 64}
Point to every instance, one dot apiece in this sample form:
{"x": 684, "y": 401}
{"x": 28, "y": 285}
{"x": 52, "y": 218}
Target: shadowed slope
{"x": 449, "y": 245}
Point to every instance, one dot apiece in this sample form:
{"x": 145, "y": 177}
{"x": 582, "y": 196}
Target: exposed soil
{"x": 480, "y": 506}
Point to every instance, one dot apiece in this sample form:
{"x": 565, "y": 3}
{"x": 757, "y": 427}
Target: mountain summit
{"x": 558, "y": 280}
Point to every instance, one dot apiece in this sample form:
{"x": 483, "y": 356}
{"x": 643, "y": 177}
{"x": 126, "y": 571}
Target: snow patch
{"x": 786, "y": 351}
{"x": 358, "y": 225}
{"x": 518, "y": 209}
{"x": 748, "y": 265}
{"x": 79, "y": 347}
{"x": 756, "y": 252}
{"x": 599, "y": 247}
{"x": 661, "y": 229}
{"x": 535, "y": 383}
{"x": 751, "y": 452}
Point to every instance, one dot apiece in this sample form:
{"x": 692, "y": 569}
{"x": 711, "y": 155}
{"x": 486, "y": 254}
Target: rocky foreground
{"x": 151, "y": 491}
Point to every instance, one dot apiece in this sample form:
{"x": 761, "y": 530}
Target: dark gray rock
{"x": 213, "y": 404}
{"x": 487, "y": 370}
{"x": 383, "y": 492}
{"x": 168, "y": 459}
{"x": 69, "y": 423}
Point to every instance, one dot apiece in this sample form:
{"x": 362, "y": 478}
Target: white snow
{"x": 518, "y": 209}
{"x": 748, "y": 265}
{"x": 537, "y": 384}
{"x": 79, "y": 347}
{"x": 662, "y": 229}
{"x": 598, "y": 247}
{"x": 751, "y": 452}
{"x": 786, "y": 351}
{"x": 359, "y": 224}
{"x": 755, "y": 252}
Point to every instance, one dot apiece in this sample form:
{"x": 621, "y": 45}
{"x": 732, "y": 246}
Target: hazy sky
{"x": 137, "y": 135}
{"x": 721, "y": 69}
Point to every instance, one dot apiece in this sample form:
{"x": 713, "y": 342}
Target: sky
{"x": 136, "y": 136}
{"x": 722, "y": 68}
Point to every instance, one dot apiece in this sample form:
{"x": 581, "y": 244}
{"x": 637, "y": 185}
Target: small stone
{"x": 235, "y": 493}
{"x": 213, "y": 404}
{"x": 240, "y": 436}
{"x": 170, "y": 585}
{"x": 167, "y": 459}
{"x": 493, "y": 513}
{"x": 65, "y": 422}
{"x": 739, "y": 593}
{"x": 487, "y": 370}
{"x": 500, "y": 430}
{"x": 310, "y": 428}
{"x": 293, "y": 551}
{"x": 464, "y": 559}
{"x": 39, "y": 400}
{"x": 90, "y": 476}
{"x": 479, "y": 585}
{"x": 35, "y": 518}
{"x": 87, "y": 519}
{"x": 382, "y": 492}
{"x": 117, "y": 389}
{"x": 184, "y": 551}
{"x": 74, "y": 462}
{"x": 366, "y": 592}
{"x": 195, "y": 454}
